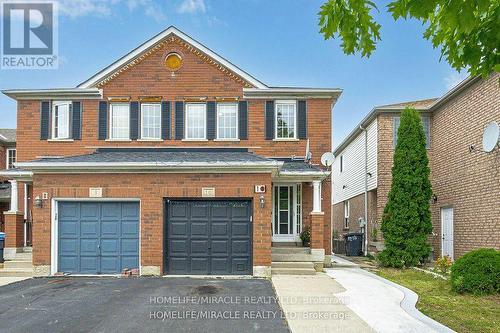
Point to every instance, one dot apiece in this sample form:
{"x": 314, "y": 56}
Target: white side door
{"x": 447, "y": 232}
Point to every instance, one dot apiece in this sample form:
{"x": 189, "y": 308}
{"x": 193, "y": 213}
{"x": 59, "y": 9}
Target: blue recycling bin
{"x": 2, "y": 242}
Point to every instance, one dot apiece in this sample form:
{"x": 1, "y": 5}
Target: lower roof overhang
{"x": 300, "y": 176}
{"x": 17, "y": 174}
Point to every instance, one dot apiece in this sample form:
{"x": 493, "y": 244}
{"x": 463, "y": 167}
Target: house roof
{"x": 4, "y": 192}
{"x": 143, "y": 48}
{"x": 8, "y": 135}
{"x": 156, "y": 159}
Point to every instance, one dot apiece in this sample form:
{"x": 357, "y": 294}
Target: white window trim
{"x": 186, "y": 132}
{"x": 276, "y": 103}
{"x": 7, "y": 157}
{"x": 147, "y": 138}
{"x": 110, "y": 129}
{"x": 347, "y": 208}
{"x": 217, "y": 123}
{"x": 53, "y": 120}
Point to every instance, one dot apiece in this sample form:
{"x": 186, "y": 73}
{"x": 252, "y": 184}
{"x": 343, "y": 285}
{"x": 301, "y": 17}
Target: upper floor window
{"x": 286, "y": 116}
{"x": 60, "y": 120}
{"x": 150, "y": 121}
{"x": 11, "y": 158}
{"x": 227, "y": 121}
{"x": 119, "y": 121}
{"x": 346, "y": 214}
{"x": 426, "y": 122}
{"x": 196, "y": 121}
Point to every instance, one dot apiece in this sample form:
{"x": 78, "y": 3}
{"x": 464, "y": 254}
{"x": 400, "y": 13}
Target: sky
{"x": 277, "y": 41}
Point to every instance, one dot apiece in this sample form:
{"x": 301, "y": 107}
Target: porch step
{"x": 27, "y": 249}
{"x": 17, "y": 264}
{"x": 286, "y": 244}
{"x": 290, "y": 250}
{"x": 16, "y": 272}
{"x": 22, "y": 256}
{"x": 292, "y": 257}
{"x": 296, "y": 264}
{"x": 293, "y": 271}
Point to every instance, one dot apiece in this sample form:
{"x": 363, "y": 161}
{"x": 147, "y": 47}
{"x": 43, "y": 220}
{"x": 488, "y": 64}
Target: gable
{"x": 157, "y": 43}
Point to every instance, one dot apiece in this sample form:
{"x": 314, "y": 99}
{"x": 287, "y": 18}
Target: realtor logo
{"x": 29, "y": 34}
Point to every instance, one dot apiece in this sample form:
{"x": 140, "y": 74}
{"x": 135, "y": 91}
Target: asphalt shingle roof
{"x": 8, "y": 135}
{"x": 299, "y": 166}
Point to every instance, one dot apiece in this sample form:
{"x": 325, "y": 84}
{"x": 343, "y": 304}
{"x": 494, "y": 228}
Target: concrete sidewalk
{"x": 315, "y": 304}
{"x": 382, "y": 304}
{"x": 5, "y": 280}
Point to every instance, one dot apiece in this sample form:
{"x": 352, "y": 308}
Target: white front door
{"x": 287, "y": 212}
{"x": 447, "y": 232}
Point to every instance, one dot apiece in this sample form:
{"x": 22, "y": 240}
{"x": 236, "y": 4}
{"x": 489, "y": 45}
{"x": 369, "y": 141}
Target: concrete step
{"x": 296, "y": 264}
{"x": 24, "y": 256}
{"x": 286, "y": 244}
{"x": 18, "y": 264}
{"x": 279, "y": 257}
{"x": 293, "y": 271}
{"x": 290, "y": 250}
{"x": 27, "y": 249}
{"x": 16, "y": 272}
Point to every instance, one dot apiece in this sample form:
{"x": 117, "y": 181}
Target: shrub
{"x": 305, "y": 236}
{"x": 443, "y": 264}
{"x": 477, "y": 272}
{"x": 406, "y": 222}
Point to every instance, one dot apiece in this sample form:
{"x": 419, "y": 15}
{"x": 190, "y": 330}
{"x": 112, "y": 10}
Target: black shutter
{"x": 76, "y": 129}
{"x": 165, "y": 120}
{"x": 269, "y": 120}
{"x": 134, "y": 120}
{"x": 44, "y": 120}
{"x": 302, "y": 120}
{"x": 243, "y": 120}
{"x": 179, "y": 120}
{"x": 103, "y": 120}
{"x": 210, "y": 120}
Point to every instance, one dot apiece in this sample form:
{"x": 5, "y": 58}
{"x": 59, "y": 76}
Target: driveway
{"x": 140, "y": 305}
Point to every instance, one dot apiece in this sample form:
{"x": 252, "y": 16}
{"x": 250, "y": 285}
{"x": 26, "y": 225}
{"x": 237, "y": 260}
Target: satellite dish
{"x": 491, "y": 136}
{"x": 327, "y": 159}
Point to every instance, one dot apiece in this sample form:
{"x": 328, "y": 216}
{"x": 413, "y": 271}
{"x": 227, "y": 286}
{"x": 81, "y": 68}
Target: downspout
{"x": 366, "y": 190}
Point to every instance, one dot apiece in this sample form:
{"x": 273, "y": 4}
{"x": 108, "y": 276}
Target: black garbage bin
{"x": 354, "y": 244}
{"x": 2, "y": 242}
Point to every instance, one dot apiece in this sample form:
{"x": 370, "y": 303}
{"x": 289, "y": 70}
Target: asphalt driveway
{"x": 140, "y": 305}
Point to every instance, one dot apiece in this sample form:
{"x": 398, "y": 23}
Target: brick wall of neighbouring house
{"x": 467, "y": 181}
{"x": 357, "y": 210}
{"x": 151, "y": 189}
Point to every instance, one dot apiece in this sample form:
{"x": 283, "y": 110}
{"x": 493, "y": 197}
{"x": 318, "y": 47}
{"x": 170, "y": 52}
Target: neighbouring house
{"x": 7, "y": 160}
{"x": 171, "y": 160}
{"x": 465, "y": 180}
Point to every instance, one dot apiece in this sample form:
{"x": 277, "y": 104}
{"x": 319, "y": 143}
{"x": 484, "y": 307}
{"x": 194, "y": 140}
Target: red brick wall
{"x": 151, "y": 189}
{"x": 467, "y": 181}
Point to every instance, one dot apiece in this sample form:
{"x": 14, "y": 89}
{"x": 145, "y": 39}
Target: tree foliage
{"x": 406, "y": 222}
{"x": 466, "y": 31}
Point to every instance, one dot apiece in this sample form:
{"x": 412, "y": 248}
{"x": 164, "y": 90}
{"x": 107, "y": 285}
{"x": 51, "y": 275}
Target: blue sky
{"x": 276, "y": 41}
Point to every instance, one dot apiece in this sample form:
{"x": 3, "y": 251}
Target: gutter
{"x": 63, "y": 93}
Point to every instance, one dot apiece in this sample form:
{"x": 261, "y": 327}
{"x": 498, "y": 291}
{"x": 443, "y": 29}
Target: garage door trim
{"x": 54, "y": 232}
{"x": 165, "y": 225}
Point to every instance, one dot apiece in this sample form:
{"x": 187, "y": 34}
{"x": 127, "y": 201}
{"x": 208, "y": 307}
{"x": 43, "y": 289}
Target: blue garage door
{"x": 209, "y": 237}
{"x": 98, "y": 237}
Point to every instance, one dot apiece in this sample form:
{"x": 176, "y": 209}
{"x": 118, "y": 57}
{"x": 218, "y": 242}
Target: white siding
{"x": 354, "y": 166}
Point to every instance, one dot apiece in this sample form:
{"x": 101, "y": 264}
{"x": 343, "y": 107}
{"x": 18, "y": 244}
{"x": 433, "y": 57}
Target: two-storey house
{"x": 171, "y": 160}
{"x": 7, "y": 160}
{"x": 465, "y": 179}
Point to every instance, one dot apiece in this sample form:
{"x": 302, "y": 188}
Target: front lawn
{"x": 462, "y": 313}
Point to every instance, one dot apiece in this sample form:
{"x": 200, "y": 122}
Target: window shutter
{"x": 243, "y": 120}
{"x": 44, "y": 120}
{"x": 134, "y": 120}
{"x": 76, "y": 122}
{"x": 302, "y": 120}
{"x": 179, "y": 120}
{"x": 211, "y": 120}
{"x": 165, "y": 120}
{"x": 103, "y": 120}
{"x": 269, "y": 120}
{"x": 395, "y": 123}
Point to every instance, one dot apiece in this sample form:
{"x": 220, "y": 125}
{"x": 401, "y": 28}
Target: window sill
{"x": 60, "y": 140}
{"x": 291, "y": 139}
{"x": 227, "y": 140}
{"x": 194, "y": 140}
{"x": 150, "y": 140}
{"x": 118, "y": 140}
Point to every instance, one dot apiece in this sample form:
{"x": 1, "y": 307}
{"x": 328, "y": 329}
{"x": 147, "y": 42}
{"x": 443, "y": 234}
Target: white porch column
{"x": 316, "y": 196}
{"x": 14, "y": 205}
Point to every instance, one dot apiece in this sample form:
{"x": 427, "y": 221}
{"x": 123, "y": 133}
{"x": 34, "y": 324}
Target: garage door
{"x": 209, "y": 237}
{"x": 98, "y": 237}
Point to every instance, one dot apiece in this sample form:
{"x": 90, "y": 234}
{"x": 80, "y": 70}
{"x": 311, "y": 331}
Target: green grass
{"x": 462, "y": 313}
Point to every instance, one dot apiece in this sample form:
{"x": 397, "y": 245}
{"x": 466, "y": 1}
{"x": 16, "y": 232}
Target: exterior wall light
{"x": 38, "y": 202}
{"x": 262, "y": 201}
{"x": 434, "y": 198}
